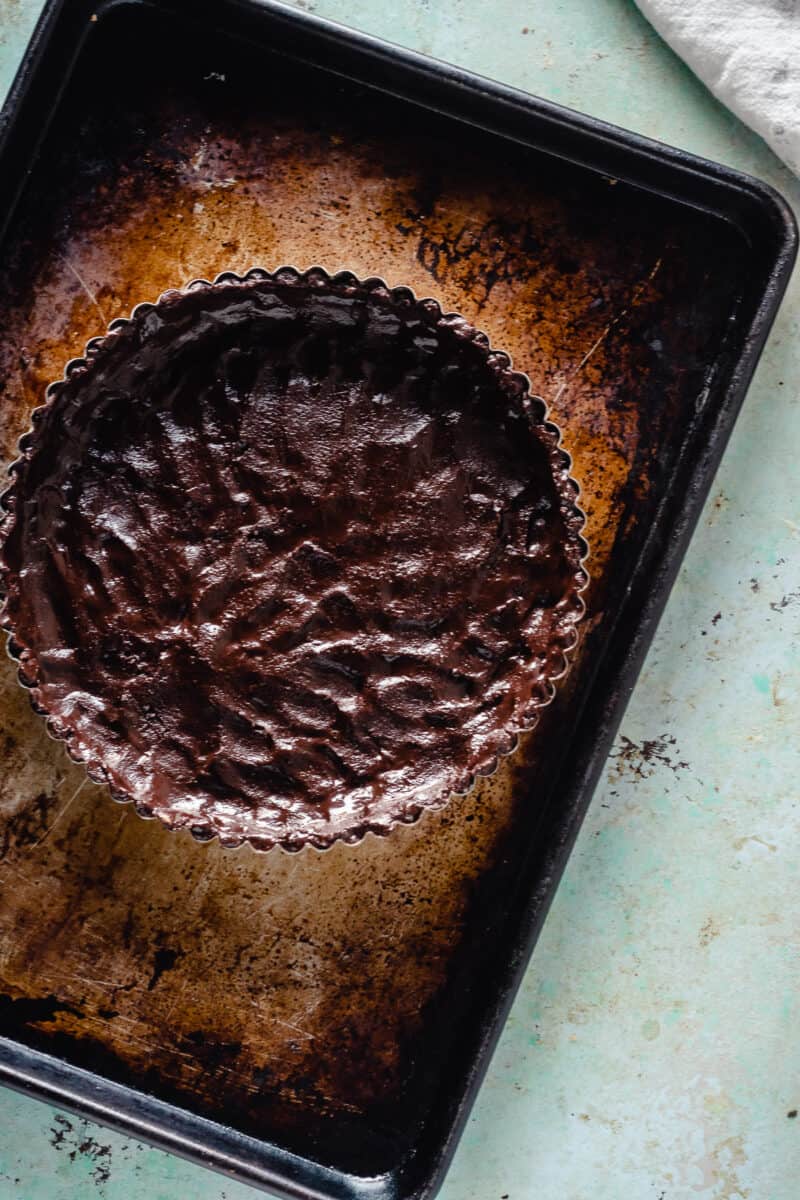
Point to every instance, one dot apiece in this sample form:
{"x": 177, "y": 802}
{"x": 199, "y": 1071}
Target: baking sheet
{"x": 332, "y": 1004}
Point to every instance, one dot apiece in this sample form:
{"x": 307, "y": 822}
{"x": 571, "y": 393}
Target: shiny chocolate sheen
{"x": 288, "y": 559}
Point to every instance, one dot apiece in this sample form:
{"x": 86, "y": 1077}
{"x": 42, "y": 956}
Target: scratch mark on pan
{"x": 309, "y": 1037}
{"x": 84, "y": 285}
{"x": 61, "y": 813}
{"x": 155, "y": 1048}
{"x": 9, "y": 866}
{"x": 101, "y": 983}
{"x": 597, "y": 343}
{"x": 176, "y": 1001}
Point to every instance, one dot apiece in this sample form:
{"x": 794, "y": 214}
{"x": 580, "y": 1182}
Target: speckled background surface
{"x": 650, "y": 1052}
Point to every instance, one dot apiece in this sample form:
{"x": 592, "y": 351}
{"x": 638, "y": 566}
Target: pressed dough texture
{"x": 287, "y": 558}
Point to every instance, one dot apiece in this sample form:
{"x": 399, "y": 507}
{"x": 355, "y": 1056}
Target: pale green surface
{"x": 652, "y": 1051}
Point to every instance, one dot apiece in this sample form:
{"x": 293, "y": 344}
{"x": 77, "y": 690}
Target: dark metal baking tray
{"x": 318, "y": 1024}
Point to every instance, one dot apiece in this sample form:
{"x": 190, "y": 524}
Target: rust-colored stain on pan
{"x": 297, "y": 995}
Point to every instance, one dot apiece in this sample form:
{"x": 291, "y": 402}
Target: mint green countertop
{"x": 652, "y": 1052}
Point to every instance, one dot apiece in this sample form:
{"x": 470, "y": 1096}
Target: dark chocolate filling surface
{"x": 290, "y": 558}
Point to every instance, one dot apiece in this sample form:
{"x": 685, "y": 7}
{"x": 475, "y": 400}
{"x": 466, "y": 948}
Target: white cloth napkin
{"x": 748, "y": 53}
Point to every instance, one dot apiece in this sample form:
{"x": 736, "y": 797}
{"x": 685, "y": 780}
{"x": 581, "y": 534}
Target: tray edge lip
{"x": 169, "y": 1127}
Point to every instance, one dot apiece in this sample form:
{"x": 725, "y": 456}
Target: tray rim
{"x": 756, "y": 209}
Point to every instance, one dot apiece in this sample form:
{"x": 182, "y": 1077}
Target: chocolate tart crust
{"x": 288, "y": 558}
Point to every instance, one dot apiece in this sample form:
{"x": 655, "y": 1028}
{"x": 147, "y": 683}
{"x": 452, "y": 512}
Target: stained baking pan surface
{"x": 318, "y": 1023}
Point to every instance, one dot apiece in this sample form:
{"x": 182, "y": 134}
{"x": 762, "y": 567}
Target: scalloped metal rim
{"x": 567, "y": 642}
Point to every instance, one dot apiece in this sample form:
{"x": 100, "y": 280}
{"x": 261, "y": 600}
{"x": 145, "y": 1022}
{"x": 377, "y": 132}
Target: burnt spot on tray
{"x": 30, "y": 823}
{"x": 164, "y": 960}
{"x": 17, "y": 1012}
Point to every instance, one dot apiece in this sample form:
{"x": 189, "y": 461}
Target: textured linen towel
{"x": 748, "y": 54}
